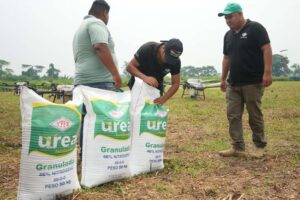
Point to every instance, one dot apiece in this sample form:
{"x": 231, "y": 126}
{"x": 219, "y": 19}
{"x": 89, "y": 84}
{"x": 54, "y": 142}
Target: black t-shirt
{"x": 147, "y": 58}
{"x": 245, "y": 54}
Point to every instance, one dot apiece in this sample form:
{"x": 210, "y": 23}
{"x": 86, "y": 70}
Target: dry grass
{"x": 197, "y": 130}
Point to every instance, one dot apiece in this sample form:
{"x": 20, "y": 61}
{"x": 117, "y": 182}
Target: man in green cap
{"x": 248, "y": 58}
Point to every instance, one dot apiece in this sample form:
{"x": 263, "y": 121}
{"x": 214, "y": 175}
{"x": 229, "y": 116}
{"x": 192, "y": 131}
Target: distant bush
{"x": 281, "y": 78}
{"x": 207, "y": 79}
{"x": 295, "y": 78}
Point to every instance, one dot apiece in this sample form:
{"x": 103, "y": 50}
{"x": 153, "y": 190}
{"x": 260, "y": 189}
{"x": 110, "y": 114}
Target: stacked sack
{"x": 123, "y": 135}
{"x": 106, "y": 136}
{"x": 49, "y": 146}
{"x": 149, "y": 124}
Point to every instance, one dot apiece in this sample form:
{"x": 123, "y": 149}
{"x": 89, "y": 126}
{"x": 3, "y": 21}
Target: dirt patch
{"x": 197, "y": 130}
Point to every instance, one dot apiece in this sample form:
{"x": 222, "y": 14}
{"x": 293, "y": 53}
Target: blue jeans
{"x": 99, "y": 85}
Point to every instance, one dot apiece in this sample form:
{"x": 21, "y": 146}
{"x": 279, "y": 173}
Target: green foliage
{"x": 280, "y": 78}
{"x": 280, "y": 65}
{"x": 52, "y": 72}
{"x": 4, "y": 72}
{"x": 29, "y": 72}
{"x": 208, "y": 71}
{"x": 296, "y": 70}
{"x": 3, "y": 63}
{"x": 32, "y": 71}
{"x": 195, "y": 72}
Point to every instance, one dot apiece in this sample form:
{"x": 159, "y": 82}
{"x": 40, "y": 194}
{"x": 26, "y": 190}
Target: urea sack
{"x": 149, "y": 124}
{"x": 49, "y": 138}
{"x": 106, "y": 136}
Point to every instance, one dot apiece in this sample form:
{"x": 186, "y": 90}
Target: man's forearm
{"x": 267, "y": 54}
{"x": 171, "y": 91}
{"x": 225, "y": 68}
{"x": 174, "y": 87}
{"x": 135, "y": 71}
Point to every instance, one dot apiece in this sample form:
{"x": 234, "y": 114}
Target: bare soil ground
{"x": 197, "y": 130}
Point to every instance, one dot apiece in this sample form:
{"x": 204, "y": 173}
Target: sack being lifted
{"x": 49, "y": 146}
{"x": 106, "y": 136}
{"x": 149, "y": 124}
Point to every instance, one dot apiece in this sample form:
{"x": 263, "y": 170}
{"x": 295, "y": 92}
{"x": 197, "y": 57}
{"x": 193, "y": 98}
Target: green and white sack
{"x": 49, "y": 147}
{"x": 106, "y": 136}
{"x": 149, "y": 124}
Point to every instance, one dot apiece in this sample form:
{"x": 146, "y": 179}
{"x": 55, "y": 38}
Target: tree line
{"x": 29, "y": 72}
{"x": 280, "y": 67}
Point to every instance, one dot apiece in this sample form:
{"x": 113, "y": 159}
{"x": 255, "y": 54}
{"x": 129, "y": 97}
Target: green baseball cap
{"x": 231, "y": 8}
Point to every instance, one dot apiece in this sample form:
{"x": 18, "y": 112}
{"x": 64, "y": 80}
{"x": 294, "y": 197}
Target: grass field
{"x": 197, "y": 130}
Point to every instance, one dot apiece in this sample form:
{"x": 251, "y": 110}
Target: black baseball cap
{"x": 173, "y": 49}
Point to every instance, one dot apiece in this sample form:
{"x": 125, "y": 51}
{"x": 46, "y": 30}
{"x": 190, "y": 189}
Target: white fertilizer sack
{"x": 49, "y": 139}
{"x": 106, "y": 136}
{"x": 149, "y": 124}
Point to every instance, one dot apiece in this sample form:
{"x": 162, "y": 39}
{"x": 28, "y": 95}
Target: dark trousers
{"x": 236, "y": 98}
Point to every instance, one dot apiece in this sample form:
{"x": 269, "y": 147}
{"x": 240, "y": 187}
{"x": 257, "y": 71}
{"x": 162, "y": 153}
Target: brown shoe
{"x": 258, "y": 153}
{"x": 232, "y": 153}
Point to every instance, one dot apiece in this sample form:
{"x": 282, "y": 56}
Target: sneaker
{"x": 232, "y": 153}
{"x": 258, "y": 152}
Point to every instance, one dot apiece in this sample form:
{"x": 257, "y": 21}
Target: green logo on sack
{"x": 112, "y": 119}
{"x": 154, "y": 120}
{"x": 54, "y": 129}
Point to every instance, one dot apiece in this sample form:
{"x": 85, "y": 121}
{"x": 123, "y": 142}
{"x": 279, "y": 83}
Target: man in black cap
{"x": 155, "y": 60}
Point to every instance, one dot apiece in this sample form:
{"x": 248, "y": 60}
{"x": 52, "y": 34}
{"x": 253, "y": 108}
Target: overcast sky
{"x": 40, "y": 32}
